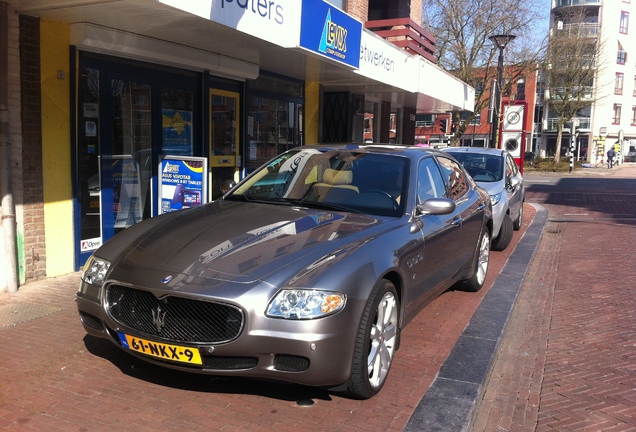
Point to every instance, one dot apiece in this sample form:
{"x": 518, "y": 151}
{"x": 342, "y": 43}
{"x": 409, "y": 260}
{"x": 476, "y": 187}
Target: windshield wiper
{"x": 238, "y": 198}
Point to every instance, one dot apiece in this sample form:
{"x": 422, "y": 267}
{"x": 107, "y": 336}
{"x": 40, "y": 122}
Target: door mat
{"x": 16, "y": 313}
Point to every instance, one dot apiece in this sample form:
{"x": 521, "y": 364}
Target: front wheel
{"x": 376, "y": 342}
{"x": 505, "y": 234}
{"x": 476, "y": 281}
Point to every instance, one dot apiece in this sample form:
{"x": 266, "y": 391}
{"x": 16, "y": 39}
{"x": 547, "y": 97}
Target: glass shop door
{"x": 224, "y": 139}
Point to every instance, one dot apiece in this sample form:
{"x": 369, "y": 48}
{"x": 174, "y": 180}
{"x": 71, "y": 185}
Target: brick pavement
{"x": 55, "y": 377}
{"x": 567, "y": 361}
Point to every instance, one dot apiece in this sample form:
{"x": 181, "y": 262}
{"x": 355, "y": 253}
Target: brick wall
{"x": 358, "y": 9}
{"x": 33, "y": 205}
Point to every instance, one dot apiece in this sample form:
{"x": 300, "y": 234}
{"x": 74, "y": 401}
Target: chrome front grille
{"x": 173, "y": 318}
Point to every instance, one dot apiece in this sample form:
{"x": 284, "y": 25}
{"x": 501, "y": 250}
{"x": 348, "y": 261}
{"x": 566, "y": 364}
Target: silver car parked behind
{"x": 496, "y": 171}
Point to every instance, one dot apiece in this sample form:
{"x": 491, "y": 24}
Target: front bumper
{"x": 309, "y": 352}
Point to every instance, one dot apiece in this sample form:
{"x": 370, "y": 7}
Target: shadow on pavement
{"x": 139, "y": 369}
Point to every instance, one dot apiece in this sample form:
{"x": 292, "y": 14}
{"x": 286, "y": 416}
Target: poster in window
{"x": 183, "y": 183}
{"x": 177, "y": 132}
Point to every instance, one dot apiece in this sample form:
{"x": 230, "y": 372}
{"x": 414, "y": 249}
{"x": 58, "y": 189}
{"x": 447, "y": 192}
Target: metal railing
{"x": 551, "y": 126}
{"x": 580, "y": 29}
{"x": 561, "y": 3}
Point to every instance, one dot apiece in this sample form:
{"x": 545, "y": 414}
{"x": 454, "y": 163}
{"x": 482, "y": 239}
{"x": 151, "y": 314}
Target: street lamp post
{"x": 501, "y": 41}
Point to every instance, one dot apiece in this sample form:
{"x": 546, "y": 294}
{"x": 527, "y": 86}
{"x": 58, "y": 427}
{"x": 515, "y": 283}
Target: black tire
{"x": 505, "y": 234}
{"x": 376, "y": 342}
{"x": 516, "y": 225}
{"x": 482, "y": 259}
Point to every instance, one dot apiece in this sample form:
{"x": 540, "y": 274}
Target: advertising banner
{"x": 329, "y": 32}
{"x": 386, "y": 63}
{"x": 182, "y": 183}
{"x": 276, "y": 21}
{"x": 177, "y": 132}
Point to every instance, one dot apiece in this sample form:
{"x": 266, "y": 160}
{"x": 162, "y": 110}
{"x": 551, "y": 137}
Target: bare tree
{"x": 463, "y": 28}
{"x": 571, "y": 67}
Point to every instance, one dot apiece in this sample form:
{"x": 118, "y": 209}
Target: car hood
{"x": 243, "y": 242}
{"x": 492, "y": 188}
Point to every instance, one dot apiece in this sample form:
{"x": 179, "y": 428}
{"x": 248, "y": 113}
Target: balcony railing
{"x": 556, "y": 93}
{"x": 561, "y": 3}
{"x": 584, "y": 125}
{"x": 579, "y": 29}
{"x": 405, "y": 33}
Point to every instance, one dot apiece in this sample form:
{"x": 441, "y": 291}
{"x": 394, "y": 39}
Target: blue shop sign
{"x": 328, "y": 31}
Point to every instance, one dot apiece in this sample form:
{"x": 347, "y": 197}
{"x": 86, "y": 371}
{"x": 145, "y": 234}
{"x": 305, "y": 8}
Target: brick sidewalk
{"x": 55, "y": 377}
{"x": 567, "y": 361}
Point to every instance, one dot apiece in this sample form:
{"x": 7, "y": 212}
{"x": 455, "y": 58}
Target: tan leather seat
{"x": 335, "y": 186}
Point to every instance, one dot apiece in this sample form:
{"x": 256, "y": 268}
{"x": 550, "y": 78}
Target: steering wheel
{"x": 486, "y": 174}
{"x": 394, "y": 203}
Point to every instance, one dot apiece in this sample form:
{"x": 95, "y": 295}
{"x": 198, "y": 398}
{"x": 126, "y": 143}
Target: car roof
{"x": 475, "y": 150}
{"x": 400, "y": 150}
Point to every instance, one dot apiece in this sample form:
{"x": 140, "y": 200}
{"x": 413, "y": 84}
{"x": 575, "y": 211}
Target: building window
{"x": 633, "y": 115}
{"x": 424, "y": 120}
{"x": 621, "y": 57}
{"x": 618, "y": 83}
{"x": 474, "y": 121}
{"x": 617, "y": 114}
{"x": 634, "y": 91}
{"x": 624, "y": 25}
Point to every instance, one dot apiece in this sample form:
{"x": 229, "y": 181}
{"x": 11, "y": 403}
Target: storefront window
{"x": 274, "y": 111}
{"x": 88, "y": 158}
{"x": 271, "y": 129}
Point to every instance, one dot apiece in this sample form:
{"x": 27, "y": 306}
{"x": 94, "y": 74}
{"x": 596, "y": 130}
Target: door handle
{"x": 457, "y": 220}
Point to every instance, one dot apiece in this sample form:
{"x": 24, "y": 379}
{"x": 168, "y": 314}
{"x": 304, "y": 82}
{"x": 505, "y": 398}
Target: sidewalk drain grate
{"x": 16, "y": 313}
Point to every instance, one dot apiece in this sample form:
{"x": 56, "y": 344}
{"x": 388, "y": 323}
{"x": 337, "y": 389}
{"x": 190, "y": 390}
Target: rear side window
{"x": 454, "y": 177}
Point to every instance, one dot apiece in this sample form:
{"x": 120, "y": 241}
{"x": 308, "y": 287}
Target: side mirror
{"x": 514, "y": 182}
{"x": 436, "y": 206}
{"x": 227, "y": 185}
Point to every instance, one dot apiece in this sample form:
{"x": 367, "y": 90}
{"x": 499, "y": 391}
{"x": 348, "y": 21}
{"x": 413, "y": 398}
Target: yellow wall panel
{"x": 56, "y": 147}
{"x": 312, "y": 112}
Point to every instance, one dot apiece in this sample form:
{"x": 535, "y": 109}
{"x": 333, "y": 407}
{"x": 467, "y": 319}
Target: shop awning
{"x": 237, "y": 42}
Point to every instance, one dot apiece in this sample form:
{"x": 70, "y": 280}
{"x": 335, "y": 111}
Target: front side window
{"x": 429, "y": 181}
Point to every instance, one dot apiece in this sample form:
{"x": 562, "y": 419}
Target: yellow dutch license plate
{"x": 160, "y": 350}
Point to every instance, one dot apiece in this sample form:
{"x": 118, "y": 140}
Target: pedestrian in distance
{"x": 610, "y": 157}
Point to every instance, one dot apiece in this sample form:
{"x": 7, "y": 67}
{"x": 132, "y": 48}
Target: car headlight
{"x": 305, "y": 304}
{"x": 95, "y": 270}
{"x": 494, "y": 199}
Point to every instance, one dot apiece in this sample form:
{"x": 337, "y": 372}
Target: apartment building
{"x": 610, "y": 117}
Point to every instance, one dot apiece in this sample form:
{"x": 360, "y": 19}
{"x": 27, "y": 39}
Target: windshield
{"x": 340, "y": 180}
{"x": 481, "y": 167}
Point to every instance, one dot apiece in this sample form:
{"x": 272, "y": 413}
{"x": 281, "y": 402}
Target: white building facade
{"x": 610, "y": 120}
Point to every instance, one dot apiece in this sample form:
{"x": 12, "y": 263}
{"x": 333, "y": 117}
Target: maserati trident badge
{"x": 159, "y": 318}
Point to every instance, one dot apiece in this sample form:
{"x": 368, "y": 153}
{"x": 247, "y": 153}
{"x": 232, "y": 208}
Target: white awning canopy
{"x": 182, "y": 33}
